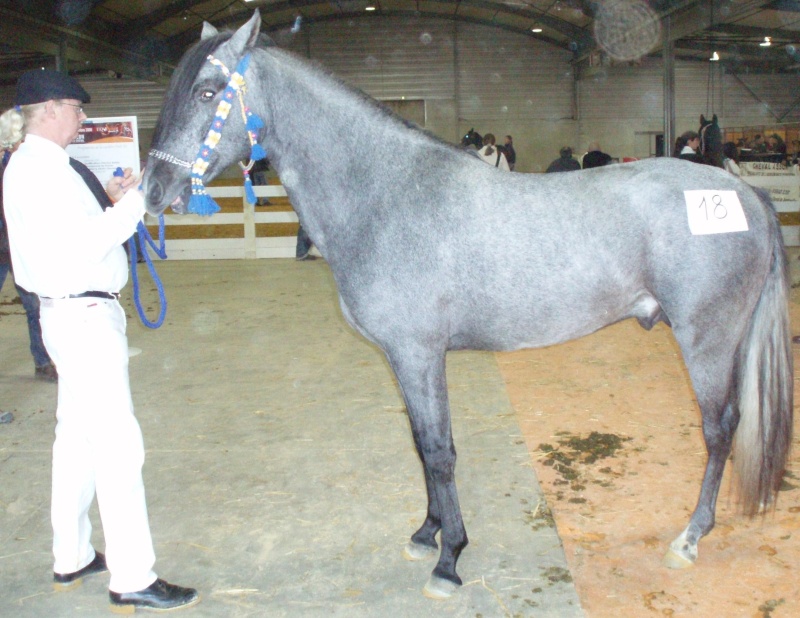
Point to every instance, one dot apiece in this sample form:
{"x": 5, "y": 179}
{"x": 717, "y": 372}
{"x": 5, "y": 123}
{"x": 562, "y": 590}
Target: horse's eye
{"x": 207, "y": 95}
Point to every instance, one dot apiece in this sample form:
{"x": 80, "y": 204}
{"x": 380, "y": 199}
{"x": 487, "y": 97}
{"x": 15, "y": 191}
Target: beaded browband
{"x": 201, "y": 202}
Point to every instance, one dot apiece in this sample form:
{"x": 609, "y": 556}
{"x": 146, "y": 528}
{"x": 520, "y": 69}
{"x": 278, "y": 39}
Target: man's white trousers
{"x": 98, "y": 446}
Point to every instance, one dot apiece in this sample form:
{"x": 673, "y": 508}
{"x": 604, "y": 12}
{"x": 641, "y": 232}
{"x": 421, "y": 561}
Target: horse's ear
{"x": 702, "y": 120}
{"x": 208, "y": 31}
{"x": 247, "y": 35}
{"x": 714, "y": 119}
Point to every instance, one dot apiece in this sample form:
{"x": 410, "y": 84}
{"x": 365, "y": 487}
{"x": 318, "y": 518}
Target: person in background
{"x": 730, "y": 158}
{"x": 565, "y": 162}
{"x": 302, "y": 250}
{"x": 595, "y": 157}
{"x": 43, "y": 366}
{"x": 492, "y": 155}
{"x": 775, "y": 144}
{"x": 686, "y": 147}
{"x": 794, "y": 156}
{"x": 758, "y": 146}
{"x": 508, "y": 151}
{"x": 68, "y": 250}
{"x": 258, "y": 175}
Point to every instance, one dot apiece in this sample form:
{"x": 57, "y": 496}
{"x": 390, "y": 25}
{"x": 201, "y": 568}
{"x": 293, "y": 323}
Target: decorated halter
{"x": 201, "y": 202}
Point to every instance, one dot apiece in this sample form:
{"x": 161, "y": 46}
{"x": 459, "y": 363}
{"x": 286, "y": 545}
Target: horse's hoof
{"x": 675, "y": 559}
{"x": 416, "y": 551}
{"x": 439, "y": 589}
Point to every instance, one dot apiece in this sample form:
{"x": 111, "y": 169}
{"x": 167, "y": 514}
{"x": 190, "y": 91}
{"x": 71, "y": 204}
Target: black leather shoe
{"x": 65, "y": 581}
{"x": 159, "y": 596}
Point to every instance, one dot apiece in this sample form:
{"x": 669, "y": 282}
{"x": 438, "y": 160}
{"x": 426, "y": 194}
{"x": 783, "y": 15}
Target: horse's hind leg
{"x": 720, "y": 420}
{"x": 423, "y": 384}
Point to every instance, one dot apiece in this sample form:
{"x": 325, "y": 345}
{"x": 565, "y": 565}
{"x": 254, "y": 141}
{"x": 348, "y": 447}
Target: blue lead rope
{"x": 144, "y": 240}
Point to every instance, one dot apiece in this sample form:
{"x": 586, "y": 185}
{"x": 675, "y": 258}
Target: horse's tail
{"x": 765, "y": 386}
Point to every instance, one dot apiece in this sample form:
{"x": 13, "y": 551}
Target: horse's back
{"x": 472, "y": 257}
{"x": 553, "y": 257}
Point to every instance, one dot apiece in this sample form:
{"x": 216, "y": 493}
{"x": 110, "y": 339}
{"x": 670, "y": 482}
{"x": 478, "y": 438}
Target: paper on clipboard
{"x": 104, "y": 144}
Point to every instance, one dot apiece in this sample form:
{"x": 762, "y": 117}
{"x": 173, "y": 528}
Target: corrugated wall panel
{"x": 613, "y": 92}
{"x": 389, "y": 58}
{"x": 697, "y": 91}
{"x": 115, "y": 97}
{"x": 125, "y": 97}
{"x": 638, "y": 92}
{"x": 505, "y": 76}
{"x": 764, "y": 97}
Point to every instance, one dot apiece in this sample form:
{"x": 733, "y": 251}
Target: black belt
{"x": 93, "y": 294}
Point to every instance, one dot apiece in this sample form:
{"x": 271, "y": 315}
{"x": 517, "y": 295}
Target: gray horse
{"x": 433, "y": 250}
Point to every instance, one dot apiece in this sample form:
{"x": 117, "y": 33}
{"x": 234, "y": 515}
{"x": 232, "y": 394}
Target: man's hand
{"x": 121, "y": 182}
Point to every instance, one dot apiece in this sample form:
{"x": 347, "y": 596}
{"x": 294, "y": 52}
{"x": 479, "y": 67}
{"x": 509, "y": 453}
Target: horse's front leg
{"x": 424, "y": 386}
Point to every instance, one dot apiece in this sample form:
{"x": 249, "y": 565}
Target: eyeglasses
{"x": 77, "y": 107}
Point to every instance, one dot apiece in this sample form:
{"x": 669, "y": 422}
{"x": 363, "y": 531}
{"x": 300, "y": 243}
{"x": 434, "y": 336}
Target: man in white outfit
{"x": 68, "y": 250}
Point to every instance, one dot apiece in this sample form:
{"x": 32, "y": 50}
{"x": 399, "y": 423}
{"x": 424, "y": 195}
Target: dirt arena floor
{"x": 614, "y": 434}
{"x": 611, "y": 427}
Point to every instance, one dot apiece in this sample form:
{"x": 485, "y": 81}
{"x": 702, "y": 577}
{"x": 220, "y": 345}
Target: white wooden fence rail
{"x": 249, "y": 247}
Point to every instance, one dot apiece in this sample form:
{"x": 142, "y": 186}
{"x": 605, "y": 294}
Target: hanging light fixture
{"x": 536, "y": 29}
{"x": 714, "y": 57}
{"x": 766, "y": 42}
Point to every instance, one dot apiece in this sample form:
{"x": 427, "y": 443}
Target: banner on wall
{"x": 104, "y": 144}
{"x": 782, "y": 182}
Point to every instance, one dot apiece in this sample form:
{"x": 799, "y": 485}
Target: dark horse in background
{"x": 711, "y": 141}
{"x": 420, "y": 257}
{"x": 472, "y": 139}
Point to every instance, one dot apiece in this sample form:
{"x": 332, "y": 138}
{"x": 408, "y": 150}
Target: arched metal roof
{"x": 146, "y": 38}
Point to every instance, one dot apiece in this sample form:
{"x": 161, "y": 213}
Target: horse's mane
{"x": 183, "y": 78}
{"x": 195, "y": 58}
{"x": 316, "y": 68}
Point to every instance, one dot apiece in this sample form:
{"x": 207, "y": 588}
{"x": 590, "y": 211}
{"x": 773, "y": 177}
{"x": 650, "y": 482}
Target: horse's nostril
{"x": 155, "y": 192}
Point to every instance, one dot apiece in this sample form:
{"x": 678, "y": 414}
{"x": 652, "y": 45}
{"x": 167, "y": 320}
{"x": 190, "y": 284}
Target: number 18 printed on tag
{"x": 714, "y": 212}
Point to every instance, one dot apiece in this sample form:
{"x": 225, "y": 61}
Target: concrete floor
{"x": 281, "y": 476}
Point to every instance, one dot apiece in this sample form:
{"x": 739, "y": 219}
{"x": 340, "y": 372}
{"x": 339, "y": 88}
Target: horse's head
{"x": 472, "y": 139}
{"x": 710, "y": 140}
{"x": 190, "y": 105}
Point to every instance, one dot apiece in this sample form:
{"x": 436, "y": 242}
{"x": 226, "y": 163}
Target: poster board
{"x": 104, "y": 144}
{"x": 782, "y": 182}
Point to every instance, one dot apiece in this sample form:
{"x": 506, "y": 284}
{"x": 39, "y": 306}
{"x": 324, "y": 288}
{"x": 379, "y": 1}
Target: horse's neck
{"x": 323, "y": 140}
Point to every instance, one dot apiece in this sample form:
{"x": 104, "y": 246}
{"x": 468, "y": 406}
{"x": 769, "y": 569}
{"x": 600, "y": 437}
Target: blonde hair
{"x": 14, "y": 123}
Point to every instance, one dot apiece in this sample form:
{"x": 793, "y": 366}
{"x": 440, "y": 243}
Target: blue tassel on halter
{"x": 249, "y": 193}
{"x": 257, "y": 153}
{"x": 202, "y": 204}
{"x": 254, "y": 123}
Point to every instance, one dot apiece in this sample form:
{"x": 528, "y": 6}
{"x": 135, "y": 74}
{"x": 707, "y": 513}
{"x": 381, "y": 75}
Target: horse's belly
{"x": 522, "y": 329}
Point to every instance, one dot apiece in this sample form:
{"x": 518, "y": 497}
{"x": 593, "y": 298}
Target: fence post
{"x": 249, "y": 213}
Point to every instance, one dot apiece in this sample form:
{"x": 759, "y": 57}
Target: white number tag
{"x": 714, "y": 212}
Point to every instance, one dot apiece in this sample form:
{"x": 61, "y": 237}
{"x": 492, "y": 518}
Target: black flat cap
{"x": 42, "y": 85}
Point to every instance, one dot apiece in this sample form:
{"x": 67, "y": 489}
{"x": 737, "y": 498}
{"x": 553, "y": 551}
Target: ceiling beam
{"x": 754, "y": 32}
{"x": 691, "y": 18}
{"x": 28, "y": 33}
{"x": 183, "y": 41}
{"x": 561, "y": 26}
{"x": 148, "y": 21}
